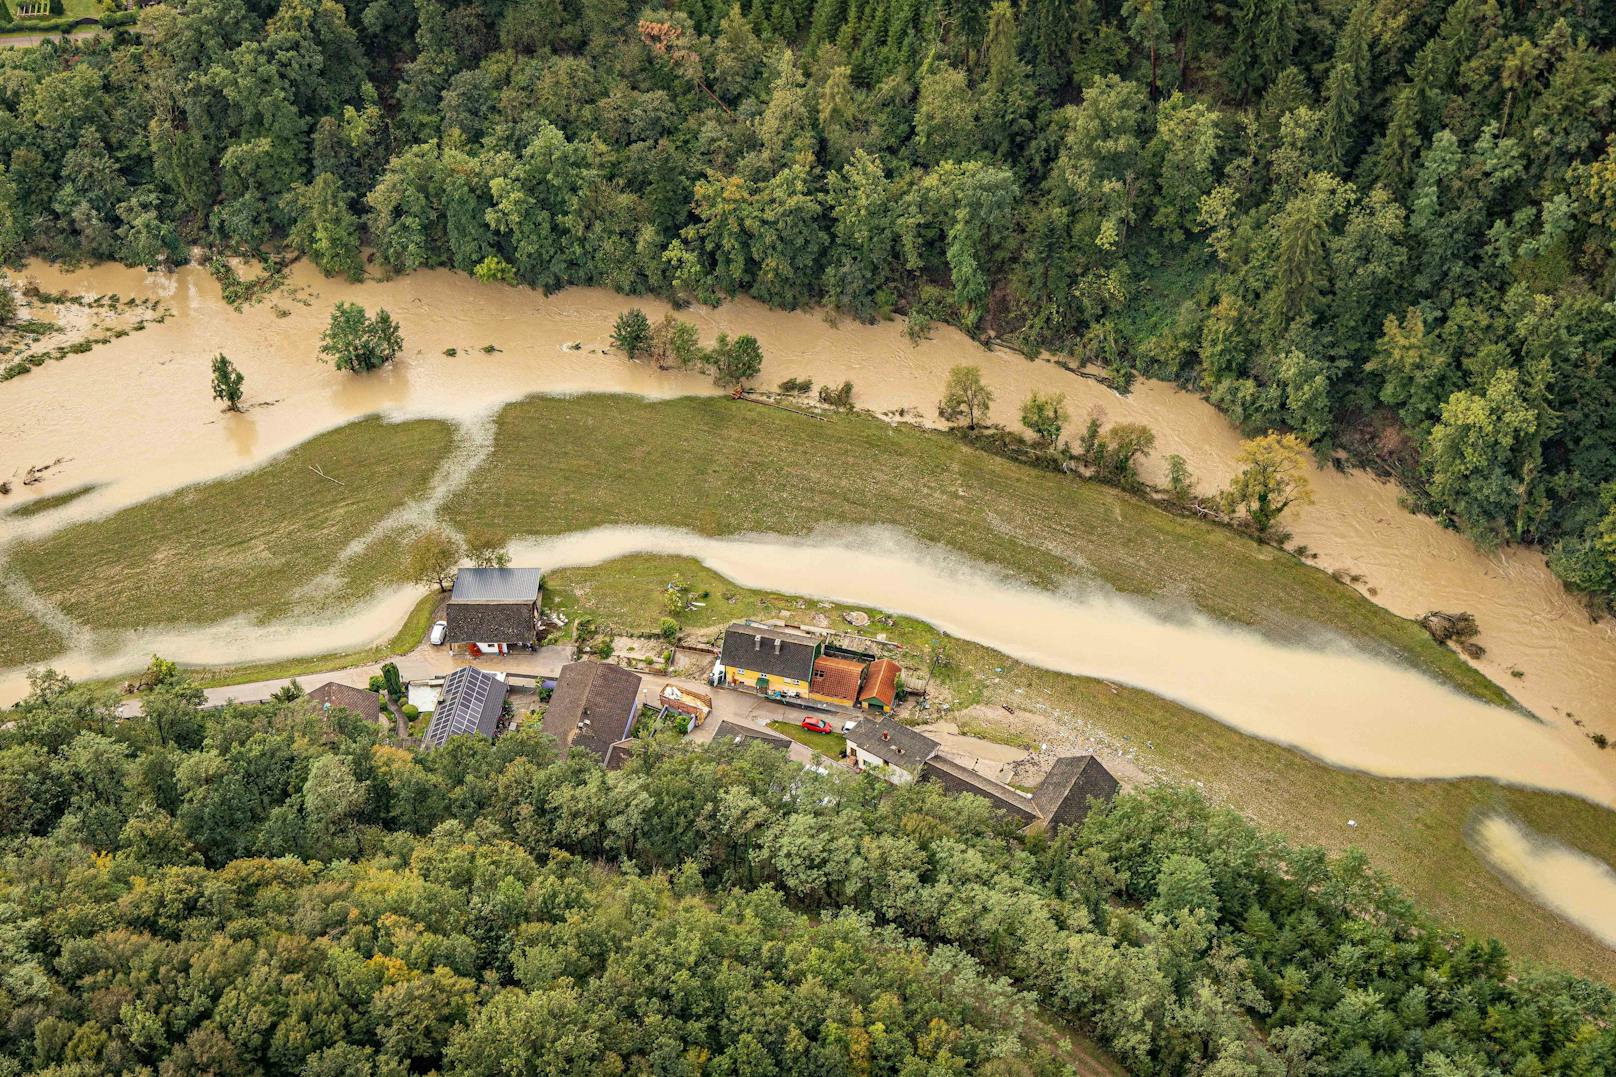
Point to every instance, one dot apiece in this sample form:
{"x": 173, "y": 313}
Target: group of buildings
{"x": 595, "y": 706}
{"x": 782, "y": 663}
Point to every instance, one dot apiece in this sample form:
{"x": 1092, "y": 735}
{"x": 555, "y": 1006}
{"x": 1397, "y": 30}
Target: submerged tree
{"x": 735, "y": 362}
{"x": 965, "y": 397}
{"x": 632, "y": 333}
{"x": 1272, "y": 479}
{"x": 1045, "y": 415}
{"x": 227, "y": 382}
{"x": 358, "y": 343}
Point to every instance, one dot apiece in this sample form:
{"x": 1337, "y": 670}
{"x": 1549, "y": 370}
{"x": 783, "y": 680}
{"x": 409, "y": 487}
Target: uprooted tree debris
{"x": 1459, "y": 629}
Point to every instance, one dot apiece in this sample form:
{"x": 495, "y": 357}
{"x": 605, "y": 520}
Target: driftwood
{"x": 315, "y": 468}
{"x": 36, "y": 474}
{"x": 1459, "y": 629}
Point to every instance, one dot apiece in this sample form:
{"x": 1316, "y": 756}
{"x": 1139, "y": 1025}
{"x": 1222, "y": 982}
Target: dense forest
{"x": 1385, "y": 225}
{"x": 272, "y": 889}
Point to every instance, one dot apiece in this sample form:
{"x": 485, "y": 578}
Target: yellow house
{"x": 775, "y": 661}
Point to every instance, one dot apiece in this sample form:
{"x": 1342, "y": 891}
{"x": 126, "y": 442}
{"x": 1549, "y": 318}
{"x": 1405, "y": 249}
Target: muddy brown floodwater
{"x": 1572, "y": 883}
{"x": 135, "y": 416}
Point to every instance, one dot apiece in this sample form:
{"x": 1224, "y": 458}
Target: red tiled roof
{"x": 881, "y": 682}
{"x": 837, "y": 678}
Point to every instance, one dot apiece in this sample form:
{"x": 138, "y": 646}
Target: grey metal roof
{"x": 497, "y": 585}
{"x": 894, "y": 743}
{"x": 472, "y": 702}
{"x": 777, "y": 652}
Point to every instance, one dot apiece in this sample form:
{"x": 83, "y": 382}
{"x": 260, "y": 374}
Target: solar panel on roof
{"x": 472, "y": 700}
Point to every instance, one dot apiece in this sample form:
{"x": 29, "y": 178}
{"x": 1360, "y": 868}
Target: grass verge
{"x": 833, "y": 745}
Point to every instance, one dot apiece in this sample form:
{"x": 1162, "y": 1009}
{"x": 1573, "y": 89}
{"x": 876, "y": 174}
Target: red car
{"x": 816, "y": 725}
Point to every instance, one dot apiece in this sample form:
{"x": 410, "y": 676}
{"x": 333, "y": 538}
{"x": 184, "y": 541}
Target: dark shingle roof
{"x": 497, "y": 585}
{"x": 729, "y": 732}
{"x": 778, "y": 652}
{"x": 1062, "y": 799}
{"x": 592, "y": 706}
{"x": 894, "y": 743}
{"x": 490, "y": 622}
{"x": 472, "y": 702}
{"x": 359, "y": 700}
{"x": 958, "y": 778}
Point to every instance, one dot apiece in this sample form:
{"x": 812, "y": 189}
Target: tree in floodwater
{"x": 227, "y": 382}
{"x": 1272, "y": 479}
{"x": 1045, "y": 415}
{"x": 734, "y": 362}
{"x": 359, "y": 343}
{"x": 632, "y": 333}
{"x": 965, "y": 397}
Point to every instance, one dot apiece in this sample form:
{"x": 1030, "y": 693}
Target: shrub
{"x": 669, "y": 629}
{"x": 410, "y": 711}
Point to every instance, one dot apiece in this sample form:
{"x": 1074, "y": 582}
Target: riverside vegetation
{"x": 272, "y": 888}
{"x": 1383, "y": 230}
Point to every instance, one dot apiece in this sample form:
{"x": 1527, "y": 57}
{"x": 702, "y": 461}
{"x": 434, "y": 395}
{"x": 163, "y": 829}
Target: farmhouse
{"x": 775, "y": 661}
{"x": 473, "y": 700}
{"x": 593, "y": 707}
{"x": 494, "y": 611}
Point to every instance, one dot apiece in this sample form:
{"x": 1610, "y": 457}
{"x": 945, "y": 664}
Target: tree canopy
{"x": 277, "y": 888}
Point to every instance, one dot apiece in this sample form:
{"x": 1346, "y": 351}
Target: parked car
{"x": 849, "y": 725}
{"x": 816, "y": 725}
{"x": 439, "y": 630}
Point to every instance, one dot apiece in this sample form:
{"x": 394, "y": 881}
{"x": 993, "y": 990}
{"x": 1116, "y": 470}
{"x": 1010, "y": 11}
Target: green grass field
{"x": 241, "y": 545}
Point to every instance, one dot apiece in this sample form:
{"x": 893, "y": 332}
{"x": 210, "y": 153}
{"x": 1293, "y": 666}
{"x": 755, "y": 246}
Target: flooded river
{"x": 135, "y": 417}
{"x": 1336, "y": 704}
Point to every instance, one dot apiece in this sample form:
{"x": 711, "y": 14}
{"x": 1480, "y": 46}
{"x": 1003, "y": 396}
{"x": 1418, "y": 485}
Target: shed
{"x": 729, "y": 732}
{"x": 473, "y": 700}
{"x": 880, "y": 691}
{"x": 593, "y": 706}
{"x": 958, "y": 778}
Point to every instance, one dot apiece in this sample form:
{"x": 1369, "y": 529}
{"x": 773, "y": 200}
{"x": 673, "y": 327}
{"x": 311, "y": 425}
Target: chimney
{"x": 776, "y": 646}
{"x": 757, "y": 643}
